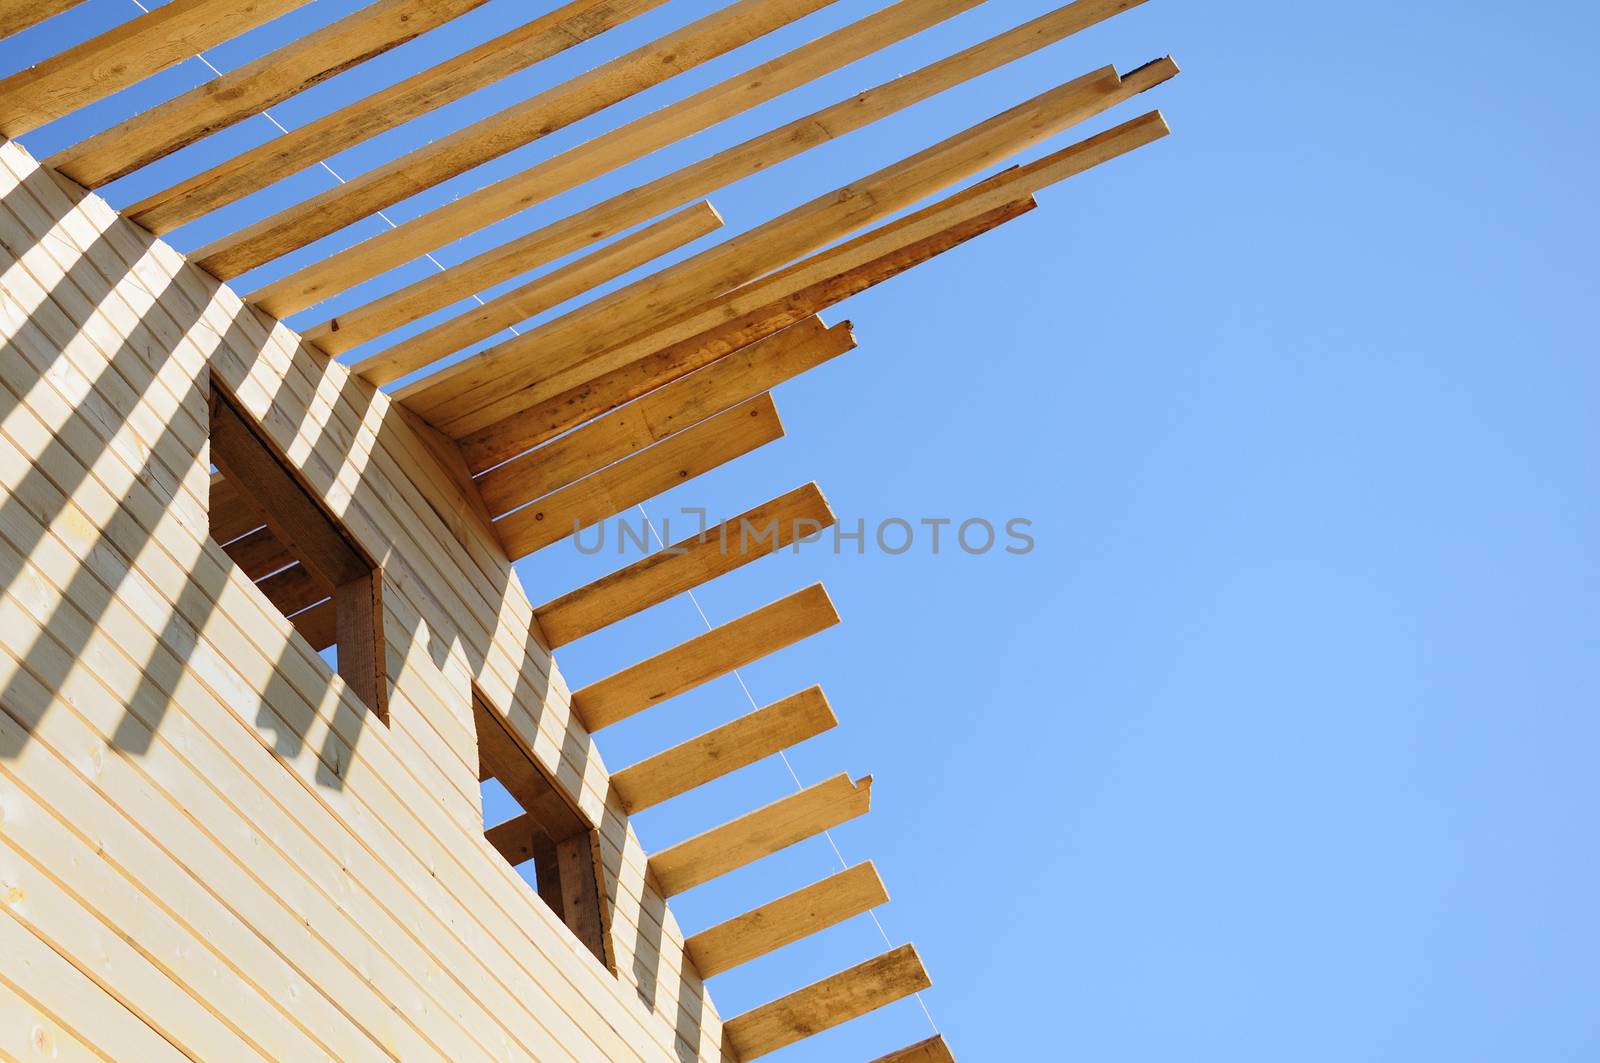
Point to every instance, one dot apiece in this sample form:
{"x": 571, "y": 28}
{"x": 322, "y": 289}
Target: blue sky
{"x": 1280, "y": 743}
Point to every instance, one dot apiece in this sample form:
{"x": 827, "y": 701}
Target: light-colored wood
{"x": 386, "y": 250}
{"x": 697, "y": 450}
{"x": 787, "y": 920}
{"x": 701, "y": 41}
{"x": 933, "y": 1050}
{"x": 484, "y": 388}
{"x": 754, "y": 534}
{"x": 723, "y": 751}
{"x": 823, "y": 1005}
{"x": 124, "y": 55}
{"x": 18, "y": 15}
{"x": 606, "y": 153}
{"x": 652, "y": 366}
{"x": 304, "y": 146}
{"x": 704, "y": 658}
{"x": 721, "y": 386}
{"x": 238, "y": 94}
{"x": 570, "y": 397}
{"x": 763, "y": 832}
{"x": 534, "y": 298}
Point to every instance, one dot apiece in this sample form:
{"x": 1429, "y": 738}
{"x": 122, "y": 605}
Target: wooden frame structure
{"x": 212, "y": 845}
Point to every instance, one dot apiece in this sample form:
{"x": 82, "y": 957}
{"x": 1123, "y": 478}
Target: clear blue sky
{"x": 1281, "y": 743}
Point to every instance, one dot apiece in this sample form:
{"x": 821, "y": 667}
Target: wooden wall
{"x": 208, "y": 847}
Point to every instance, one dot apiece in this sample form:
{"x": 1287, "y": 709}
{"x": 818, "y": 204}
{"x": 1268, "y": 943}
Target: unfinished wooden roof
{"x": 619, "y": 397}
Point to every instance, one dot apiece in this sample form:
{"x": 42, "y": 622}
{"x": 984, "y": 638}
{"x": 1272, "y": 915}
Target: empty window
{"x": 549, "y": 832}
{"x": 278, "y": 530}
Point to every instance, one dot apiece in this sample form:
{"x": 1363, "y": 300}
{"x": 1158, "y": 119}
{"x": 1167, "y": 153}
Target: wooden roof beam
{"x": 486, "y": 387}
{"x": 649, "y": 366}
{"x": 720, "y": 386}
{"x": 933, "y": 1050}
{"x": 18, "y": 15}
{"x": 763, "y": 832}
{"x": 704, "y": 658}
{"x": 386, "y": 109}
{"x": 259, "y": 553}
{"x": 534, "y": 298}
{"x": 690, "y": 453}
{"x": 724, "y": 750}
{"x": 637, "y": 365}
{"x": 386, "y": 250}
{"x": 823, "y": 1005}
{"x": 124, "y": 55}
{"x": 786, "y": 920}
{"x": 288, "y": 230}
{"x": 687, "y": 564}
{"x": 239, "y": 94}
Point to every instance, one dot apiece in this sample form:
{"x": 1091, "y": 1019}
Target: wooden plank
{"x": 933, "y": 1050}
{"x": 570, "y": 397}
{"x": 126, "y": 54}
{"x": 608, "y": 152}
{"x": 250, "y": 89}
{"x": 787, "y": 920}
{"x": 18, "y": 15}
{"x": 358, "y": 629}
{"x": 723, "y": 751}
{"x": 714, "y": 35}
{"x": 484, "y": 388}
{"x": 760, "y": 833}
{"x": 823, "y": 1005}
{"x": 294, "y": 589}
{"x": 259, "y": 553}
{"x": 721, "y": 386}
{"x": 690, "y": 453}
{"x": 610, "y": 262}
{"x": 299, "y": 148}
{"x": 230, "y": 512}
{"x": 386, "y": 250}
{"x": 687, "y": 564}
{"x": 704, "y": 658}
{"x": 653, "y": 366}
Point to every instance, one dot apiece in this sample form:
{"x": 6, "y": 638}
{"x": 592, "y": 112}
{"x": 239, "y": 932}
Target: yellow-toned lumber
{"x": 318, "y": 625}
{"x": 319, "y": 281}
{"x": 231, "y": 513}
{"x": 748, "y": 537}
{"x": 716, "y": 34}
{"x": 252, "y": 88}
{"x": 125, "y": 54}
{"x": 786, "y": 920}
{"x": 662, "y": 413}
{"x": 704, "y": 658}
{"x": 650, "y": 366}
{"x": 486, "y": 387}
{"x": 586, "y": 389}
{"x": 933, "y": 1050}
{"x": 534, "y": 298}
{"x": 18, "y": 15}
{"x": 760, "y": 833}
{"x": 294, "y": 588}
{"x": 682, "y": 457}
{"x": 724, "y": 750}
{"x": 260, "y": 553}
{"x": 611, "y": 150}
{"x": 518, "y": 49}
{"x": 823, "y": 1005}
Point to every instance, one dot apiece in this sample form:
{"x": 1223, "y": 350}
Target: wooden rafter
{"x": 18, "y": 15}
{"x": 933, "y": 1050}
{"x": 690, "y": 453}
{"x": 724, "y": 750}
{"x": 293, "y": 228}
{"x": 534, "y": 298}
{"x": 742, "y": 376}
{"x": 754, "y": 534}
{"x": 321, "y": 280}
{"x": 518, "y": 49}
{"x": 763, "y": 832}
{"x": 252, "y": 88}
{"x": 124, "y": 55}
{"x": 823, "y": 1005}
{"x": 704, "y": 658}
{"x": 786, "y": 920}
